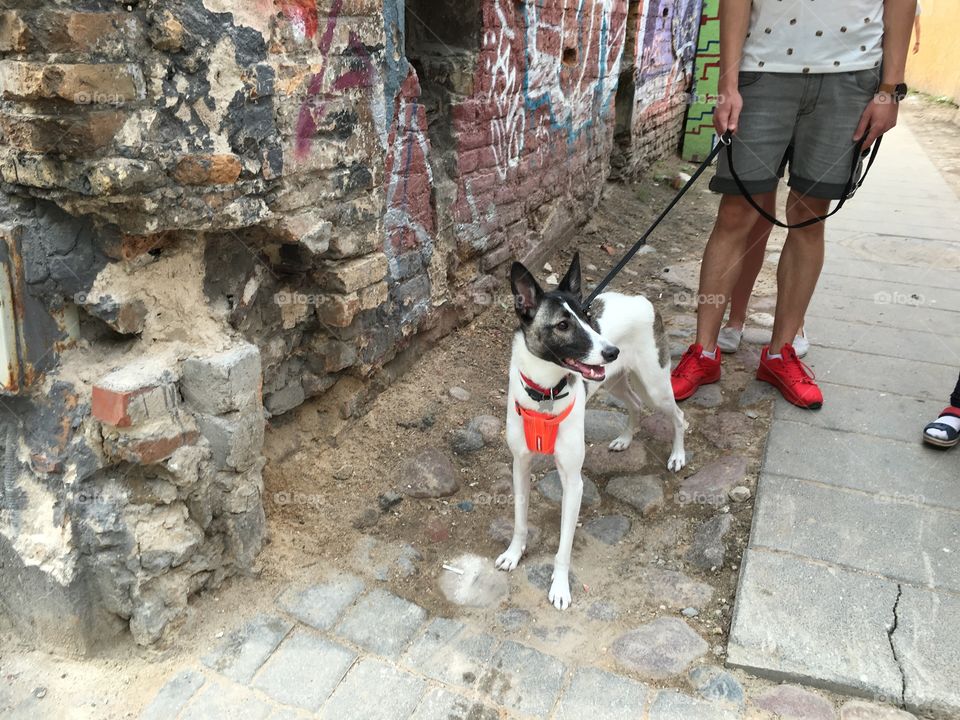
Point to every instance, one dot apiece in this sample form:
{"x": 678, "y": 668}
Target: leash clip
{"x": 726, "y": 138}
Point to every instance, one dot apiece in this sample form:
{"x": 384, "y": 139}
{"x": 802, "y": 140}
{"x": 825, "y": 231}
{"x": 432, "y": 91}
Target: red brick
{"x": 207, "y": 169}
{"x": 112, "y": 406}
{"x": 148, "y": 450}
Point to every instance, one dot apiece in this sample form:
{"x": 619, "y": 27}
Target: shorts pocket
{"x": 868, "y": 80}
{"x": 746, "y": 79}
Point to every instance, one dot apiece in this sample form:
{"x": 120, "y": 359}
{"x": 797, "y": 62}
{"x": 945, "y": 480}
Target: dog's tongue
{"x": 590, "y": 372}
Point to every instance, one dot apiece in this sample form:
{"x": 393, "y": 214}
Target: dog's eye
{"x": 563, "y": 326}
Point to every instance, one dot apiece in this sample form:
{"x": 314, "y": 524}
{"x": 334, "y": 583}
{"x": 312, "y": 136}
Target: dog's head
{"x": 555, "y": 326}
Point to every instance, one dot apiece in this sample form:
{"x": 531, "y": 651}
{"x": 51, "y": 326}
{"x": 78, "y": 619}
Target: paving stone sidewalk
{"x": 340, "y": 650}
{"x": 852, "y": 577}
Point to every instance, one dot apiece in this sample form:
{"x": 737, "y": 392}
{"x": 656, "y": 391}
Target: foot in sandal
{"x": 945, "y": 430}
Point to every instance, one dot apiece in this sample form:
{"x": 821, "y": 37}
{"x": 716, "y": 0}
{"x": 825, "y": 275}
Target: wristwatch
{"x": 898, "y": 92}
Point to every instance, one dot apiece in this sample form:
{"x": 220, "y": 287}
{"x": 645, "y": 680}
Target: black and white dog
{"x": 561, "y": 355}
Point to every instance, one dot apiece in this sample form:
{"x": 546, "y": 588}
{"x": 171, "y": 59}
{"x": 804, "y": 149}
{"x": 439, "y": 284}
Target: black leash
{"x": 852, "y": 183}
{"x": 726, "y": 140}
{"x": 643, "y": 239}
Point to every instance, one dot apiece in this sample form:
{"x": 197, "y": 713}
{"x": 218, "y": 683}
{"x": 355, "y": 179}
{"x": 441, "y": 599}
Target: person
{"x": 945, "y": 430}
{"x": 916, "y": 30}
{"x": 806, "y": 74}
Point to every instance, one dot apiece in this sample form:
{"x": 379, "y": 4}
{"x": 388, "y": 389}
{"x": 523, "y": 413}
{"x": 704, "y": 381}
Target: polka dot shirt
{"x": 814, "y": 36}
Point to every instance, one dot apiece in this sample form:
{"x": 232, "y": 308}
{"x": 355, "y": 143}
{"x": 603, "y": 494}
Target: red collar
{"x": 538, "y": 393}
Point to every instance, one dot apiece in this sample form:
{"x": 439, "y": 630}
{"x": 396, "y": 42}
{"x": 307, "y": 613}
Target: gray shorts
{"x": 816, "y": 115}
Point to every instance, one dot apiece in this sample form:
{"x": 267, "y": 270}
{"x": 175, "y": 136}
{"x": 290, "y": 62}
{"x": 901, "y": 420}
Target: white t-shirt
{"x": 814, "y": 36}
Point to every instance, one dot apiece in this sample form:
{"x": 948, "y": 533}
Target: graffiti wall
{"x": 662, "y": 67}
{"x": 699, "y": 136}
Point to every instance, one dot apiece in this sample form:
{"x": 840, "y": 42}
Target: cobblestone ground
{"x": 344, "y": 650}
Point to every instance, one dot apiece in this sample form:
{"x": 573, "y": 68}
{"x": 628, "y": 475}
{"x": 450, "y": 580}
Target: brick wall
{"x": 213, "y": 210}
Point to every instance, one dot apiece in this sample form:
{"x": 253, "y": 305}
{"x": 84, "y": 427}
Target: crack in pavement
{"x": 890, "y": 631}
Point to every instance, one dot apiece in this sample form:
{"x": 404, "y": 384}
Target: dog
{"x": 561, "y": 355}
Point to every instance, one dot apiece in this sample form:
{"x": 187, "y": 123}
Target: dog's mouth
{"x": 590, "y": 372}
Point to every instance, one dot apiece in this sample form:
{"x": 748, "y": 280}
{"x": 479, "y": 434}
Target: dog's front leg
{"x": 569, "y": 466}
{"x": 521, "y": 501}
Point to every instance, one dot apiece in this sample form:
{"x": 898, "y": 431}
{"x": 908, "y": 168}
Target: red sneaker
{"x": 694, "y": 370}
{"x": 791, "y": 377}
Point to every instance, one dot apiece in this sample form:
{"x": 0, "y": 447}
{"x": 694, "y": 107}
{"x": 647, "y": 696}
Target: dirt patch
{"x": 936, "y": 125}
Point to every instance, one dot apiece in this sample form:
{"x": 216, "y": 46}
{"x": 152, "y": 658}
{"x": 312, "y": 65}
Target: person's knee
{"x": 736, "y": 216}
{"x": 801, "y": 208}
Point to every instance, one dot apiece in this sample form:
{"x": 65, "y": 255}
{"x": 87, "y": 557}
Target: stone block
{"x": 79, "y": 83}
{"x": 304, "y": 670}
{"x": 235, "y": 438}
{"x": 242, "y": 652}
{"x": 321, "y": 605}
{"x": 374, "y": 690}
{"x": 382, "y": 623}
{"x": 224, "y": 382}
{"x": 350, "y": 275}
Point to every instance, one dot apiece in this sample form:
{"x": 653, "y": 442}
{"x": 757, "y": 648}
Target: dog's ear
{"x": 526, "y": 291}
{"x": 571, "y": 281}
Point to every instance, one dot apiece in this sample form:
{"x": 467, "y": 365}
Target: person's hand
{"x": 916, "y": 47}
{"x": 880, "y": 116}
{"x": 726, "y": 115}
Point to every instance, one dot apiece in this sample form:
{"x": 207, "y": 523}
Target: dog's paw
{"x": 510, "y": 559}
{"x": 677, "y": 461}
{"x": 621, "y": 443}
{"x": 559, "y": 593}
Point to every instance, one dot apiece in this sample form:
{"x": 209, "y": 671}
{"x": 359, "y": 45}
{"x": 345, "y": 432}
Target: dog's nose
{"x": 610, "y": 354}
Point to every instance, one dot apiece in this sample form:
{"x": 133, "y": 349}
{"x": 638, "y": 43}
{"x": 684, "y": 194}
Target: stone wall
{"x": 213, "y": 210}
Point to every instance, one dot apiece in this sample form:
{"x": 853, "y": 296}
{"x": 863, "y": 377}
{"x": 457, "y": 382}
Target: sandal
{"x": 946, "y": 435}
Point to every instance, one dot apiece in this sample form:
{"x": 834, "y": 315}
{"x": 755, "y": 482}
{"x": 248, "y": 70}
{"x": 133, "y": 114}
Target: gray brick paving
{"x": 246, "y": 649}
{"x": 600, "y": 695}
{"x": 450, "y": 652}
{"x": 321, "y": 605}
{"x": 439, "y": 704}
{"x": 671, "y": 705}
{"x": 523, "y": 679}
{"x": 374, "y": 690}
{"x": 882, "y": 373}
{"x": 173, "y": 695}
{"x": 862, "y": 462}
{"x": 877, "y": 533}
{"x": 856, "y": 410}
{"x": 225, "y": 701}
{"x": 304, "y": 670}
{"x": 927, "y": 640}
{"x": 381, "y": 623}
{"x": 808, "y": 621}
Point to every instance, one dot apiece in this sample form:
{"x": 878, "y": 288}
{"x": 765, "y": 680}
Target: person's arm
{"x": 881, "y": 113}
{"x": 916, "y": 34}
{"x": 734, "y": 23}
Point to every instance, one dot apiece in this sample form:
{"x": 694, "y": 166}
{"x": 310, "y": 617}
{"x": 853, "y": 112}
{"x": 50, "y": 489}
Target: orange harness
{"x": 540, "y": 429}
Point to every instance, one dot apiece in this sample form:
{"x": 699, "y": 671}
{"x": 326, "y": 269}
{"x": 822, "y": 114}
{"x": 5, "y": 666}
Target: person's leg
{"x": 799, "y": 268}
{"x": 722, "y": 264}
{"x": 945, "y": 430}
{"x": 752, "y": 263}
